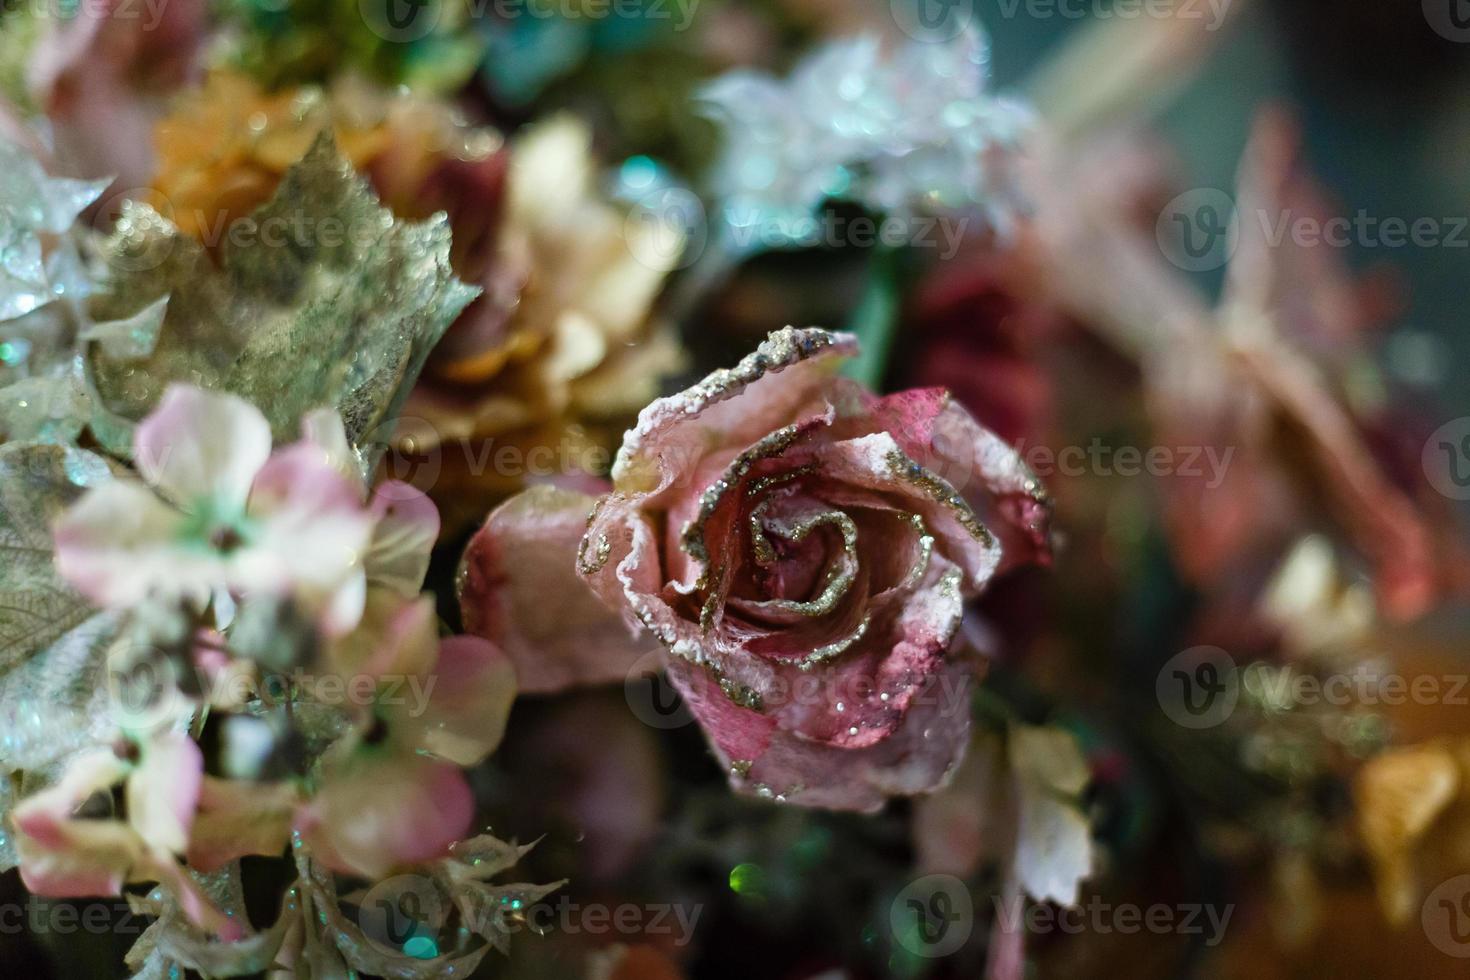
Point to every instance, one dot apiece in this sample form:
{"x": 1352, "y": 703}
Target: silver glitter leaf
{"x": 33, "y": 204}
{"x": 36, "y": 607}
{"x": 320, "y": 299}
{"x": 53, "y": 695}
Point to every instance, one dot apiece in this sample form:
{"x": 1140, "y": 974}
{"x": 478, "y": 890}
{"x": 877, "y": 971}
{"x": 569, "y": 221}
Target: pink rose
{"x": 801, "y": 547}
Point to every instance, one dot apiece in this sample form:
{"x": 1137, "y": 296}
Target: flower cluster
{"x": 399, "y": 439}
{"x": 231, "y": 560}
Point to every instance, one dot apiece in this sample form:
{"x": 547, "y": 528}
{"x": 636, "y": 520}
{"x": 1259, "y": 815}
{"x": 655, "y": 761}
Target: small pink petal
{"x": 313, "y": 529}
{"x": 408, "y": 643}
{"x": 44, "y": 816}
{"x": 117, "y": 545}
{"x": 202, "y": 446}
{"x": 378, "y": 810}
{"x": 94, "y": 864}
{"x": 468, "y": 704}
{"x": 163, "y": 791}
{"x": 237, "y": 819}
{"x": 408, "y": 526}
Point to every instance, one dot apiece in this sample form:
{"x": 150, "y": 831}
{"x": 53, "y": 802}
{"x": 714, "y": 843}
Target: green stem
{"x": 875, "y": 321}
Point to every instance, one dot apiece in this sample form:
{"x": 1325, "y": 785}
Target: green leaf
{"x": 321, "y": 299}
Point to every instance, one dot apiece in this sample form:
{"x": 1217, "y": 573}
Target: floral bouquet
{"x": 655, "y": 490}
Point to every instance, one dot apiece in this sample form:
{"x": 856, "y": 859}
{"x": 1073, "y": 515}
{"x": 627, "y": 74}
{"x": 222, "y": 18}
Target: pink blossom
{"x": 219, "y": 511}
{"x": 66, "y": 853}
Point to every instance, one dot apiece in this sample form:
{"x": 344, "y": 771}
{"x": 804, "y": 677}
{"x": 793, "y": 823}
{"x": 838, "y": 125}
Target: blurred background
{"x": 635, "y": 816}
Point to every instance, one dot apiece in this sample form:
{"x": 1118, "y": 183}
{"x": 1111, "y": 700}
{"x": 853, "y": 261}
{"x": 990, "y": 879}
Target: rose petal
{"x": 521, "y": 590}
{"x": 766, "y": 761}
{"x": 854, "y": 469}
{"x": 785, "y": 378}
{"x": 937, "y": 432}
{"x": 202, "y": 446}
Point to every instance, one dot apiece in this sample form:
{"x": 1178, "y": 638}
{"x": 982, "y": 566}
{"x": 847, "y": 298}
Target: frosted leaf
{"x": 53, "y": 691}
{"x": 321, "y": 299}
{"x": 32, "y": 204}
{"x": 911, "y": 129}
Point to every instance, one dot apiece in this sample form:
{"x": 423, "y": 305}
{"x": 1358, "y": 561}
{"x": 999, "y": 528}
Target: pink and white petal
{"x": 940, "y": 435}
{"x": 237, "y": 819}
{"x": 118, "y": 544}
{"x": 97, "y": 862}
{"x": 876, "y": 463}
{"x": 202, "y": 445}
{"x": 44, "y": 817}
{"x": 407, "y": 643}
{"x": 323, "y": 428}
{"x": 163, "y": 791}
{"x": 521, "y": 590}
{"x": 344, "y": 609}
{"x": 408, "y": 525}
{"x": 382, "y": 809}
{"x": 464, "y": 715}
{"x": 1054, "y": 841}
{"x": 313, "y": 530}
{"x": 785, "y": 378}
